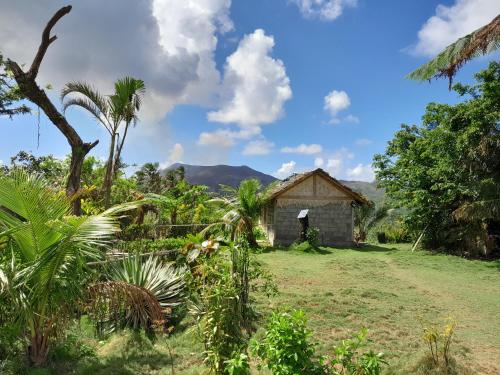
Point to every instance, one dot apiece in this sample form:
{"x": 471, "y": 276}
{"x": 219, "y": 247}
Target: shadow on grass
{"x": 297, "y": 248}
{"x": 370, "y": 248}
{"x": 304, "y": 247}
{"x": 126, "y": 365}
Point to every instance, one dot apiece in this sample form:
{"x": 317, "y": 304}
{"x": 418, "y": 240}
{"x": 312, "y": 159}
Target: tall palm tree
{"x": 47, "y": 251}
{"x": 484, "y": 40}
{"x": 242, "y": 208}
{"x": 114, "y": 112}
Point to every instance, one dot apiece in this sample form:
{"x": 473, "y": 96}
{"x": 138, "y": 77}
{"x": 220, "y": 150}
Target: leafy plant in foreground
{"x": 348, "y": 361}
{"x": 286, "y": 348}
{"x": 45, "y": 274}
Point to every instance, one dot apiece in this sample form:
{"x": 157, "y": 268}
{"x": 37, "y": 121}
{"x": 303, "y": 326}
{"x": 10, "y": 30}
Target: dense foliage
{"x": 10, "y": 95}
{"x": 446, "y": 172}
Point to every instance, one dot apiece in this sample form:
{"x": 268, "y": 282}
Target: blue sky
{"x": 281, "y": 85}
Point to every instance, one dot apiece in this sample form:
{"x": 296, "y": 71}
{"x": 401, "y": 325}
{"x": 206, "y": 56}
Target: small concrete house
{"x": 329, "y": 204}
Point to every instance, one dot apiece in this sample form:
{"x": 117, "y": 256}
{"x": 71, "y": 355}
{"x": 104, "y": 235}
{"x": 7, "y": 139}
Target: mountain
{"x": 368, "y": 189}
{"x": 214, "y": 175}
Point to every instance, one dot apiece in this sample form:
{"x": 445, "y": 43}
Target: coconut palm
{"x": 242, "y": 208}
{"x": 480, "y": 42}
{"x": 47, "y": 252}
{"x": 114, "y": 112}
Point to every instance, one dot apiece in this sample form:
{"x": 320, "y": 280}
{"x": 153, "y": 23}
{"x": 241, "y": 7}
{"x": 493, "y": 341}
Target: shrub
{"x": 218, "y": 314}
{"x": 312, "y": 236}
{"x": 136, "y": 231}
{"x": 285, "y": 348}
{"x": 395, "y": 232}
{"x": 238, "y": 364}
{"x": 347, "y": 359}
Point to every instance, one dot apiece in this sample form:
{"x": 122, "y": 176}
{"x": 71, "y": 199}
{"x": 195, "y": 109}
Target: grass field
{"x": 384, "y": 288}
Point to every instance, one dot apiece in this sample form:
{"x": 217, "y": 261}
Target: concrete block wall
{"x": 333, "y": 219}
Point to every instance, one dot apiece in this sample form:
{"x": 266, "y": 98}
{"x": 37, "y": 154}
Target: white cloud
{"x": 327, "y": 10}
{"x": 334, "y": 166}
{"x": 303, "y": 149}
{"x": 286, "y": 169}
{"x": 255, "y": 85}
{"x": 336, "y": 101}
{"x": 452, "y": 22}
{"x": 350, "y": 119}
{"x": 176, "y": 153}
{"x": 318, "y": 162}
{"x": 258, "y": 147}
{"x": 226, "y": 137}
{"x": 170, "y": 44}
{"x": 361, "y": 172}
{"x": 219, "y": 138}
{"x": 363, "y": 142}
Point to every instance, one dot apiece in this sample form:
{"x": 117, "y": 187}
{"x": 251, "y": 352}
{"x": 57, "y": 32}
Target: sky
{"x": 282, "y": 86}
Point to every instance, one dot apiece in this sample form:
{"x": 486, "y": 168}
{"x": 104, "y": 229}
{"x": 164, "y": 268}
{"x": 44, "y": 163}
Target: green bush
{"x": 312, "y": 236}
{"x": 151, "y": 246}
{"x": 238, "y": 364}
{"x": 136, "y": 231}
{"x": 395, "y": 232}
{"x": 285, "y": 348}
{"x": 348, "y": 360}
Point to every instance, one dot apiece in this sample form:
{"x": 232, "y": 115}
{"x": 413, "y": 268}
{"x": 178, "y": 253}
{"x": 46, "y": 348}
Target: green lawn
{"x": 384, "y": 288}
{"x": 387, "y": 289}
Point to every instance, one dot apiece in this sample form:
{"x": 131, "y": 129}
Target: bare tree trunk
{"x": 29, "y": 88}
{"x": 108, "y": 177}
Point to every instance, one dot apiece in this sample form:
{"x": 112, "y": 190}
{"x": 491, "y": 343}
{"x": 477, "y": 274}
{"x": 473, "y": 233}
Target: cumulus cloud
{"x": 318, "y": 162}
{"x": 258, "y": 147}
{"x": 286, "y": 169}
{"x": 255, "y": 85}
{"x": 327, "y": 10}
{"x": 361, "y": 172}
{"x": 303, "y": 149}
{"x": 334, "y": 166}
{"x": 227, "y": 137}
{"x": 336, "y": 101}
{"x": 170, "y": 44}
{"x": 452, "y": 22}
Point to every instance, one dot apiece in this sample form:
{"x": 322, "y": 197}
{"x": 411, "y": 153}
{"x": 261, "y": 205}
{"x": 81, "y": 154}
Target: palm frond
{"x": 89, "y": 92}
{"x": 480, "y": 42}
{"x": 112, "y": 302}
{"x": 164, "y": 281}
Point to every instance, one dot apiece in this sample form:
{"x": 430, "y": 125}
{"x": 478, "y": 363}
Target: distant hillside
{"x": 368, "y": 189}
{"x": 214, "y": 175}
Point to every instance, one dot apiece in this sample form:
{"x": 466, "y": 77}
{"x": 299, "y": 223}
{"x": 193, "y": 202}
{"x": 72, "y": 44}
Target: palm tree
{"x": 480, "y": 42}
{"x": 242, "y": 208}
{"x": 46, "y": 253}
{"x": 112, "y": 112}
{"x": 365, "y": 217}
